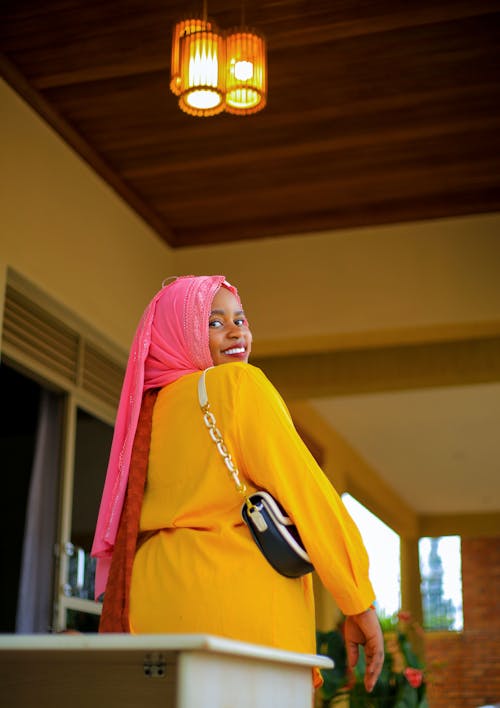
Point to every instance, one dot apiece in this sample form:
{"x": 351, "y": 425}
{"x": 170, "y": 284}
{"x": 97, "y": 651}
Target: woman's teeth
{"x": 235, "y": 350}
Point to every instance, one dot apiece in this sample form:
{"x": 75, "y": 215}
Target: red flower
{"x": 414, "y": 677}
{"x": 404, "y": 616}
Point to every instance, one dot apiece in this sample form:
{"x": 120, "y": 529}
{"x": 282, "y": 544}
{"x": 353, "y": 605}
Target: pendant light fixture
{"x": 246, "y": 71}
{"x": 202, "y": 72}
{"x": 197, "y": 68}
{"x": 183, "y": 27}
{"x": 210, "y": 72}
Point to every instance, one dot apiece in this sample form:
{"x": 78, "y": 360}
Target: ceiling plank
{"x": 398, "y": 117}
{"x": 361, "y": 215}
{"x": 312, "y": 149}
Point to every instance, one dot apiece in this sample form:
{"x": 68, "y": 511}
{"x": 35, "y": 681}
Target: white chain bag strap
{"x": 272, "y": 530}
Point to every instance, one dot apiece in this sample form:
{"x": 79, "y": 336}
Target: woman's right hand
{"x": 364, "y": 629}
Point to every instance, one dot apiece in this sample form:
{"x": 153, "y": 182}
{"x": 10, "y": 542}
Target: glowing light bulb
{"x": 243, "y": 70}
{"x": 203, "y": 99}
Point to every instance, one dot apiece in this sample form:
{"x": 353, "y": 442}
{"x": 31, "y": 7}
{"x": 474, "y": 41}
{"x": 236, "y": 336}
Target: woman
{"x": 170, "y": 535}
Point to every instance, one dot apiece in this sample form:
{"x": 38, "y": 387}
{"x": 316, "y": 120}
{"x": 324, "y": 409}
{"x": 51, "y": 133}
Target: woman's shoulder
{"x": 241, "y": 379}
{"x": 240, "y": 387}
{"x": 238, "y": 372}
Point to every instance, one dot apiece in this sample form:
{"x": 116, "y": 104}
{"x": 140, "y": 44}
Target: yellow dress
{"x": 202, "y": 572}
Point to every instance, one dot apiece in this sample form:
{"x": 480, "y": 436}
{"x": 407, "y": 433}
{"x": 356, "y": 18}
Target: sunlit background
{"x": 441, "y": 578}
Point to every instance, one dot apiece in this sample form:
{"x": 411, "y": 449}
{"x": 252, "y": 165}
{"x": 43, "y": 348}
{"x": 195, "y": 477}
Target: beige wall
{"x": 364, "y": 286}
{"x": 66, "y": 231}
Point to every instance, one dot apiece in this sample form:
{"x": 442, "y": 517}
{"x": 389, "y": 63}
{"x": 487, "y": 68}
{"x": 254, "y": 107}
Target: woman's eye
{"x": 240, "y": 322}
{"x": 215, "y": 324}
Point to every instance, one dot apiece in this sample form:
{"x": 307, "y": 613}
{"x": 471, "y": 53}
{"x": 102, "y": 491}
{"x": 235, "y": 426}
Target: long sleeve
{"x": 273, "y": 457}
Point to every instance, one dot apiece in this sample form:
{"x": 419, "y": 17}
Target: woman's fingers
{"x": 374, "y": 661}
{"x": 364, "y": 629}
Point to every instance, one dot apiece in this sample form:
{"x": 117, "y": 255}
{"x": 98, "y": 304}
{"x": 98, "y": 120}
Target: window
{"x": 19, "y": 414}
{"x": 75, "y": 368}
{"x": 92, "y": 445}
{"x": 441, "y": 572}
{"x": 383, "y": 546}
{"x": 82, "y": 491}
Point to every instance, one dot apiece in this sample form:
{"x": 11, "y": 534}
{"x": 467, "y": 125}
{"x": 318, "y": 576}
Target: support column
{"x": 328, "y": 614}
{"x": 411, "y": 598}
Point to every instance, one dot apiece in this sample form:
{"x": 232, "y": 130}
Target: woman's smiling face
{"x": 229, "y": 337}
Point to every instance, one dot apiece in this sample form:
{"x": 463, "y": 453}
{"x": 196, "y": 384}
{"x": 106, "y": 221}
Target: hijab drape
{"x": 171, "y": 341}
{"x": 115, "y": 609}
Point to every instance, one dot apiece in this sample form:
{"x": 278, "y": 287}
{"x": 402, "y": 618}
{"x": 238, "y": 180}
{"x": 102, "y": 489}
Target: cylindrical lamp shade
{"x": 202, "y": 73}
{"x": 182, "y": 28}
{"x": 246, "y": 75}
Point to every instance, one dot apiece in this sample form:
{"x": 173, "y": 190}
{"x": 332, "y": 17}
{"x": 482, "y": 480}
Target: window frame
{"x": 80, "y": 389}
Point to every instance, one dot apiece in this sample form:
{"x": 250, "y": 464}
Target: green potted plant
{"x": 401, "y": 683}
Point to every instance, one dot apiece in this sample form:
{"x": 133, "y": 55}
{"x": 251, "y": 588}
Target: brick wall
{"x": 464, "y": 668}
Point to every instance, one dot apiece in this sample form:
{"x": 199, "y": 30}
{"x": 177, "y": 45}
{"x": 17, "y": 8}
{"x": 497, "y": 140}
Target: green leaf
{"x": 332, "y": 644}
{"x": 408, "y": 653}
{"x": 408, "y": 697}
{"x": 360, "y": 667}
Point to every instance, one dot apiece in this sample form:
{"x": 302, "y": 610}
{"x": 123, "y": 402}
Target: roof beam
{"x": 465, "y": 525}
{"x": 386, "y": 368}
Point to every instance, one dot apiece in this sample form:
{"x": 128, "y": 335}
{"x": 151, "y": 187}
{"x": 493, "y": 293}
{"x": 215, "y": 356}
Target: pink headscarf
{"x": 171, "y": 341}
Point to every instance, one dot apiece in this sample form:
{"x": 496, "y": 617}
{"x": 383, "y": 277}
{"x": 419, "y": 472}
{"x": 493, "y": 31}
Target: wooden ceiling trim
{"x": 102, "y": 73}
{"x": 356, "y": 162}
{"x": 418, "y": 183}
{"x": 175, "y": 132}
{"x": 416, "y": 110}
{"x": 56, "y": 29}
{"x": 358, "y": 216}
{"x": 386, "y": 135}
{"x": 341, "y": 27}
{"x": 110, "y": 39}
{"x": 401, "y": 124}
{"x": 155, "y": 140}
{"x": 117, "y": 52}
{"x": 165, "y": 151}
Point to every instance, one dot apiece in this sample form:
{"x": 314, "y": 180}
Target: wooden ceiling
{"x": 378, "y": 111}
